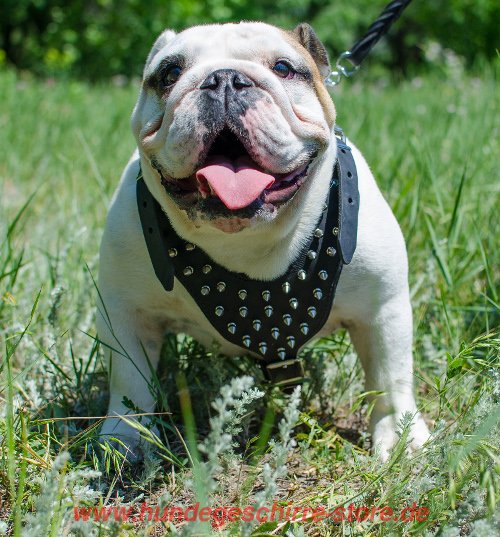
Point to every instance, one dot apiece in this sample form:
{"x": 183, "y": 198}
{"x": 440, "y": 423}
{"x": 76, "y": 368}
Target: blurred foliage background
{"x": 99, "y": 39}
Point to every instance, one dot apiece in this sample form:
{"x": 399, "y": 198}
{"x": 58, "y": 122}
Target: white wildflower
{"x": 219, "y": 442}
{"x": 276, "y": 467}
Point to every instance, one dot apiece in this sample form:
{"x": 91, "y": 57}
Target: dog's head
{"x": 232, "y": 118}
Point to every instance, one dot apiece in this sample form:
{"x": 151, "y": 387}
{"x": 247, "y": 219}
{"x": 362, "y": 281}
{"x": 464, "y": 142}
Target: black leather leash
{"x": 271, "y": 319}
{"x": 360, "y": 50}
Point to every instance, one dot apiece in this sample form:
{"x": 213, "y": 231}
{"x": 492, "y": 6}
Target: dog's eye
{"x": 170, "y": 75}
{"x": 283, "y": 69}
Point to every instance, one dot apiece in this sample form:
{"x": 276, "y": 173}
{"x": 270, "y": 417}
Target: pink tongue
{"x": 236, "y": 185}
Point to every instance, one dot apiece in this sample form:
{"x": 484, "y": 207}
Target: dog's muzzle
{"x": 229, "y": 173}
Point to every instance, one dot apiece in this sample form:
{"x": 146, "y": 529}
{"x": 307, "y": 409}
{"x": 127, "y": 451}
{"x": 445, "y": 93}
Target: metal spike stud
{"x": 275, "y": 332}
{"x": 287, "y": 319}
{"x": 266, "y": 295}
{"x": 325, "y": 207}
{"x": 263, "y": 348}
{"x": 242, "y": 294}
{"x": 318, "y": 233}
{"x": 243, "y": 311}
{"x": 335, "y": 231}
{"x": 221, "y": 286}
{"x": 311, "y": 254}
{"x": 318, "y": 294}
{"x": 172, "y": 252}
{"x": 256, "y": 325}
{"x": 323, "y": 275}
{"x": 304, "y": 328}
{"x": 231, "y": 327}
{"x": 286, "y": 287}
{"x": 268, "y": 310}
{"x": 294, "y": 303}
{"x": 246, "y": 341}
{"x": 291, "y": 341}
{"x": 219, "y": 311}
{"x": 331, "y": 251}
{"x": 281, "y": 353}
{"x": 301, "y": 274}
{"x": 206, "y": 269}
{"x": 188, "y": 271}
{"x": 312, "y": 311}
{"x": 205, "y": 290}
{"x": 190, "y": 247}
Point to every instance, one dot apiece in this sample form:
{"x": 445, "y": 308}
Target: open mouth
{"x": 229, "y": 175}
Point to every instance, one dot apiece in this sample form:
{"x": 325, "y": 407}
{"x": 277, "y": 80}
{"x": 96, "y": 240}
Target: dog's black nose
{"x": 224, "y": 80}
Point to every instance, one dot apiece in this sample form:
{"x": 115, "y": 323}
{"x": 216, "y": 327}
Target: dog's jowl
{"x": 240, "y": 188}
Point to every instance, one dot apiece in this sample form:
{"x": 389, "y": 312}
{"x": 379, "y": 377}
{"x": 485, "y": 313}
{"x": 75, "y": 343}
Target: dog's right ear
{"x": 162, "y": 40}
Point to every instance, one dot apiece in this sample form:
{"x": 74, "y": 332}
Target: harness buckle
{"x": 285, "y": 374}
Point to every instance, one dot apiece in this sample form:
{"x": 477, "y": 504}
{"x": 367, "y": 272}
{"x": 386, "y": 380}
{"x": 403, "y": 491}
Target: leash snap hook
{"x": 341, "y": 69}
{"x": 346, "y": 69}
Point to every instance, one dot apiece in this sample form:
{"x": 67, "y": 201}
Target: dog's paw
{"x": 385, "y": 437}
{"x": 125, "y": 438}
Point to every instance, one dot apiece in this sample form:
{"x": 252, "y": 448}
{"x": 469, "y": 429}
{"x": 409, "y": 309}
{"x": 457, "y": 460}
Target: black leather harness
{"x": 272, "y": 319}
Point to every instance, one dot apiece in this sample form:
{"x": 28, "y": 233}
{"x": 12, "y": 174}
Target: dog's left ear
{"x": 163, "y": 39}
{"x": 307, "y": 37}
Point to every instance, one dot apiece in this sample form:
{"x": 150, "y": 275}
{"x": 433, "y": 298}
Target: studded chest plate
{"x": 272, "y": 319}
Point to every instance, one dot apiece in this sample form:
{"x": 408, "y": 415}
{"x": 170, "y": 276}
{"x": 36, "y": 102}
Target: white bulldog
{"x": 235, "y": 140}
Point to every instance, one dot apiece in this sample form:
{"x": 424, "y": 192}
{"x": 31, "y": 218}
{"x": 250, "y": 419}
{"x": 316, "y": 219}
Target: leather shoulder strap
{"x": 348, "y": 202}
{"x": 151, "y": 214}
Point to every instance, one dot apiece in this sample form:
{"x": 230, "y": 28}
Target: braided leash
{"x": 363, "y": 46}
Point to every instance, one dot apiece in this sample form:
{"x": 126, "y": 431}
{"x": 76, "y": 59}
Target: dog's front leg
{"x": 132, "y": 342}
{"x": 384, "y": 345}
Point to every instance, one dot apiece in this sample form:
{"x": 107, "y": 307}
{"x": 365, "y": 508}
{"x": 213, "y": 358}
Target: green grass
{"x": 433, "y": 146}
